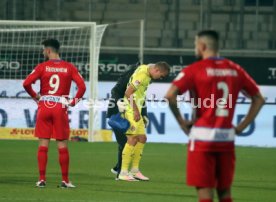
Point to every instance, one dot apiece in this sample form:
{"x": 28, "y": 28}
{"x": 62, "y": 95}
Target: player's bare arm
{"x": 37, "y": 97}
{"x": 171, "y": 97}
{"x": 129, "y": 95}
{"x": 77, "y": 78}
{"x": 32, "y": 78}
{"x": 257, "y": 101}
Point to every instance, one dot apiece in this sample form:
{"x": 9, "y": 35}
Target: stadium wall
{"x": 21, "y": 113}
{"x": 111, "y": 66}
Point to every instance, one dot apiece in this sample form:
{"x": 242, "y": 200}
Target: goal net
{"x": 21, "y": 51}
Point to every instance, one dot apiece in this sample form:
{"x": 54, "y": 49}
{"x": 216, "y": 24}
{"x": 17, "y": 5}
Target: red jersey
{"x": 214, "y": 85}
{"x": 55, "y": 79}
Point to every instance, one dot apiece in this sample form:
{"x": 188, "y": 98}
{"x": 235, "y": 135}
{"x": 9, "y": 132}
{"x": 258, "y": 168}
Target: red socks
{"x": 64, "y": 163}
{"x": 226, "y": 200}
{"x": 205, "y": 200}
{"x": 42, "y": 157}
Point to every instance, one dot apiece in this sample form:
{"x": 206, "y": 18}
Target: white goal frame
{"x": 93, "y": 60}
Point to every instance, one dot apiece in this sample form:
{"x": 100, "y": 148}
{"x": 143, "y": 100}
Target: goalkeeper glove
{"x": 146, "y": 121}
{"x": 121, "y": 105}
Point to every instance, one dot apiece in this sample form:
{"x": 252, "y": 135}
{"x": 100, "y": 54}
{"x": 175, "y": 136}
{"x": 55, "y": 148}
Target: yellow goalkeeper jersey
{"x": 140, "y": 80}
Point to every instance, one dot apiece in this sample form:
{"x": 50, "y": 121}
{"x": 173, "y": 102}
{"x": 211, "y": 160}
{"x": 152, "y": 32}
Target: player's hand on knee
{"x": 146, "y": 121}
{"x": 121, "y": 105}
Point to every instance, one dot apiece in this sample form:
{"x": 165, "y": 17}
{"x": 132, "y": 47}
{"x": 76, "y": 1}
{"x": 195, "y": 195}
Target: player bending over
{"x": 135, "y": 96}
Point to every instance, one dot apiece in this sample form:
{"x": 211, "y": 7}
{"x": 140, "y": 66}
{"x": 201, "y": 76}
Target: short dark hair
{"x": 163, "y": 66}
{"x": 213, "y": 36}
{"x": 52, "y": 43}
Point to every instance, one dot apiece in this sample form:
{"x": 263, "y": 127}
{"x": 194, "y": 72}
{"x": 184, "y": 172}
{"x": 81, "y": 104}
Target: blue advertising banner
{"x": 162, "y": 127}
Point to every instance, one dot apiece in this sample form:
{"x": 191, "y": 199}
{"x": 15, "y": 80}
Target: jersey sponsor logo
{"x": 221, "y": 72}
{"x": 212, "y": 134}
{"x": 221, "y": 136}
{"x": 54, "y": 69}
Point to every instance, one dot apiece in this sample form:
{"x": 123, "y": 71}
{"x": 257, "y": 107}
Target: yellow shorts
{"x": 136, "y": 128}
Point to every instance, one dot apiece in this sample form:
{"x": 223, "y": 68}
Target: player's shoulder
{"x": 141, "y": 70}
{"x": 208, "y": 62}
{"x": 235, "y": 66}
{"x": 67, "y": 64}
{"x": 193, "y": 66}
{"x": 44, "y": 64}
{"x": 72, "y": 68}
{"x": 54, "y": 62}
{"x": 231, "y": 63}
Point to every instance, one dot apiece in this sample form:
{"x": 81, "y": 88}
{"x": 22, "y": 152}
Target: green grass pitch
{"x": 255, "y": 178}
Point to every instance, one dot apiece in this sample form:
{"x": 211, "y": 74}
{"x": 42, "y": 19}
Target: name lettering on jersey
{"x": 221, "y": 72}
{"x": 54, "y": 69}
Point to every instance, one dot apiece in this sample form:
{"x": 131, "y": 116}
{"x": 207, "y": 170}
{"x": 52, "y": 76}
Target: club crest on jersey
{"x": 137, "y": 83}
{"x": 132, "y": 128}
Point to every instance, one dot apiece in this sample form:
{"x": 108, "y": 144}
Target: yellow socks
{"x": 137, "y": 155}
{"x": 126, "y": 157}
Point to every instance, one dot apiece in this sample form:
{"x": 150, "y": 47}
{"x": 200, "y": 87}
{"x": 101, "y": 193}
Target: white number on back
{"x": 221, "y": 102}
{"x": 54, "y": 84}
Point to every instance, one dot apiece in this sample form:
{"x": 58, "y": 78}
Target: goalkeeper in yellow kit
{"x": 134, "y": 99}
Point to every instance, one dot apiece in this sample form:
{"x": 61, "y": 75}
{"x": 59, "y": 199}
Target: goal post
{"x": 96, "y": 38}
{"x": 20, "y": 41}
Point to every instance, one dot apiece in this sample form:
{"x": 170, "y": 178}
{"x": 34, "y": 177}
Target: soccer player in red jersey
{"x": 214, "y": 84}
{"x": 55, "y": 77}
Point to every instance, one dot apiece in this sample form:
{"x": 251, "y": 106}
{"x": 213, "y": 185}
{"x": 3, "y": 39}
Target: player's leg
{"x": 224, "y": 195}
{"x": 132, "y": 140}
{"x": 64, "y": 159}
{"x": 138, "y": 149}
{"x": 201, "y": 170}
{"x": 137, "y": 155}
{"x": 61, "y": 134}
{"x": 225, "y": 175}
{"x": 114, "y": 170}
{"x": 127, "y": 158}
{"x": 43, "y": 130}
{"x": 205, "y": 194}
{"x": 121, "y": 140}
{"x": 42, "y": 158}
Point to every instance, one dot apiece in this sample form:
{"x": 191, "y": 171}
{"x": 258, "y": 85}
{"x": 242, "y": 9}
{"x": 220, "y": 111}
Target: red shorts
{"x": 52, "y": 122}
{"x": 210, "y": 169}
